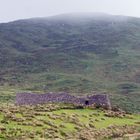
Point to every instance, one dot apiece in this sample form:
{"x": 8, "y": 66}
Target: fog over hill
{"x": 78, "y": 17}
{"x": 78, "y": 53}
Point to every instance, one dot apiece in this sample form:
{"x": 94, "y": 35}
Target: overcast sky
{"x": 19, "y": 9}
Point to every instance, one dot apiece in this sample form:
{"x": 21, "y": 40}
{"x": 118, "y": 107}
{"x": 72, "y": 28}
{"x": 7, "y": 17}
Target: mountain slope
{"x": 76, "y": 53}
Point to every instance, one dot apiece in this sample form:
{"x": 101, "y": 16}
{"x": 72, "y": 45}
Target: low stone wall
{"x": 33, "y": 99}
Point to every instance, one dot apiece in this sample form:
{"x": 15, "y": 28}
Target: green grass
{"x": 61, "y": 121}
{"x": 104, "y": 58}
{"x": 85, "y": 120}
{"x": 101, "y": 123}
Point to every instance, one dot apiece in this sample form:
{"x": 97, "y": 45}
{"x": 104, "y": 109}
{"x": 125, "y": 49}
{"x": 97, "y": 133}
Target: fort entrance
{"x": 86, "y": 102}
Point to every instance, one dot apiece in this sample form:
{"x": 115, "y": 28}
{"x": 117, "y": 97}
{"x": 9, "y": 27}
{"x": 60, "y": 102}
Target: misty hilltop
{"x": 76, "y": 53}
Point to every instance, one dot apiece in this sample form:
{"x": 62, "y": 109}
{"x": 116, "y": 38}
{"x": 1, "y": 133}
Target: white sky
{"x": 19, "y": 9}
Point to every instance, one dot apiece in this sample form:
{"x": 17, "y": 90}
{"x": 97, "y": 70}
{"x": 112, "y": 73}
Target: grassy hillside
{"x": 73, "y": 53}
{"x": 61, "y": 121}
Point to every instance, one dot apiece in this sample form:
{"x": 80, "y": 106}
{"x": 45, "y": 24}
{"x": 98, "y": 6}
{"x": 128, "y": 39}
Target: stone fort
{"x": 34, "y": 99}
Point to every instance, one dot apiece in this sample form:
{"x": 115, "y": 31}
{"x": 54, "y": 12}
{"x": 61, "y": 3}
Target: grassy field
{"x": 79, "y": 57}
{"x": 63, "y": 121}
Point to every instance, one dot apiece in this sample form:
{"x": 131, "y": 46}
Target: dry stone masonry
{"x": 34, "y": 99}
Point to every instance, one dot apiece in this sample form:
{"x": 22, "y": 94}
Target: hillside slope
{"x": 76, "y": 53}
{"x": 63, "y": 121}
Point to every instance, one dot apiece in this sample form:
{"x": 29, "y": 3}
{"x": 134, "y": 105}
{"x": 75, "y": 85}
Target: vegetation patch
{"x": 64, "y": 121}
